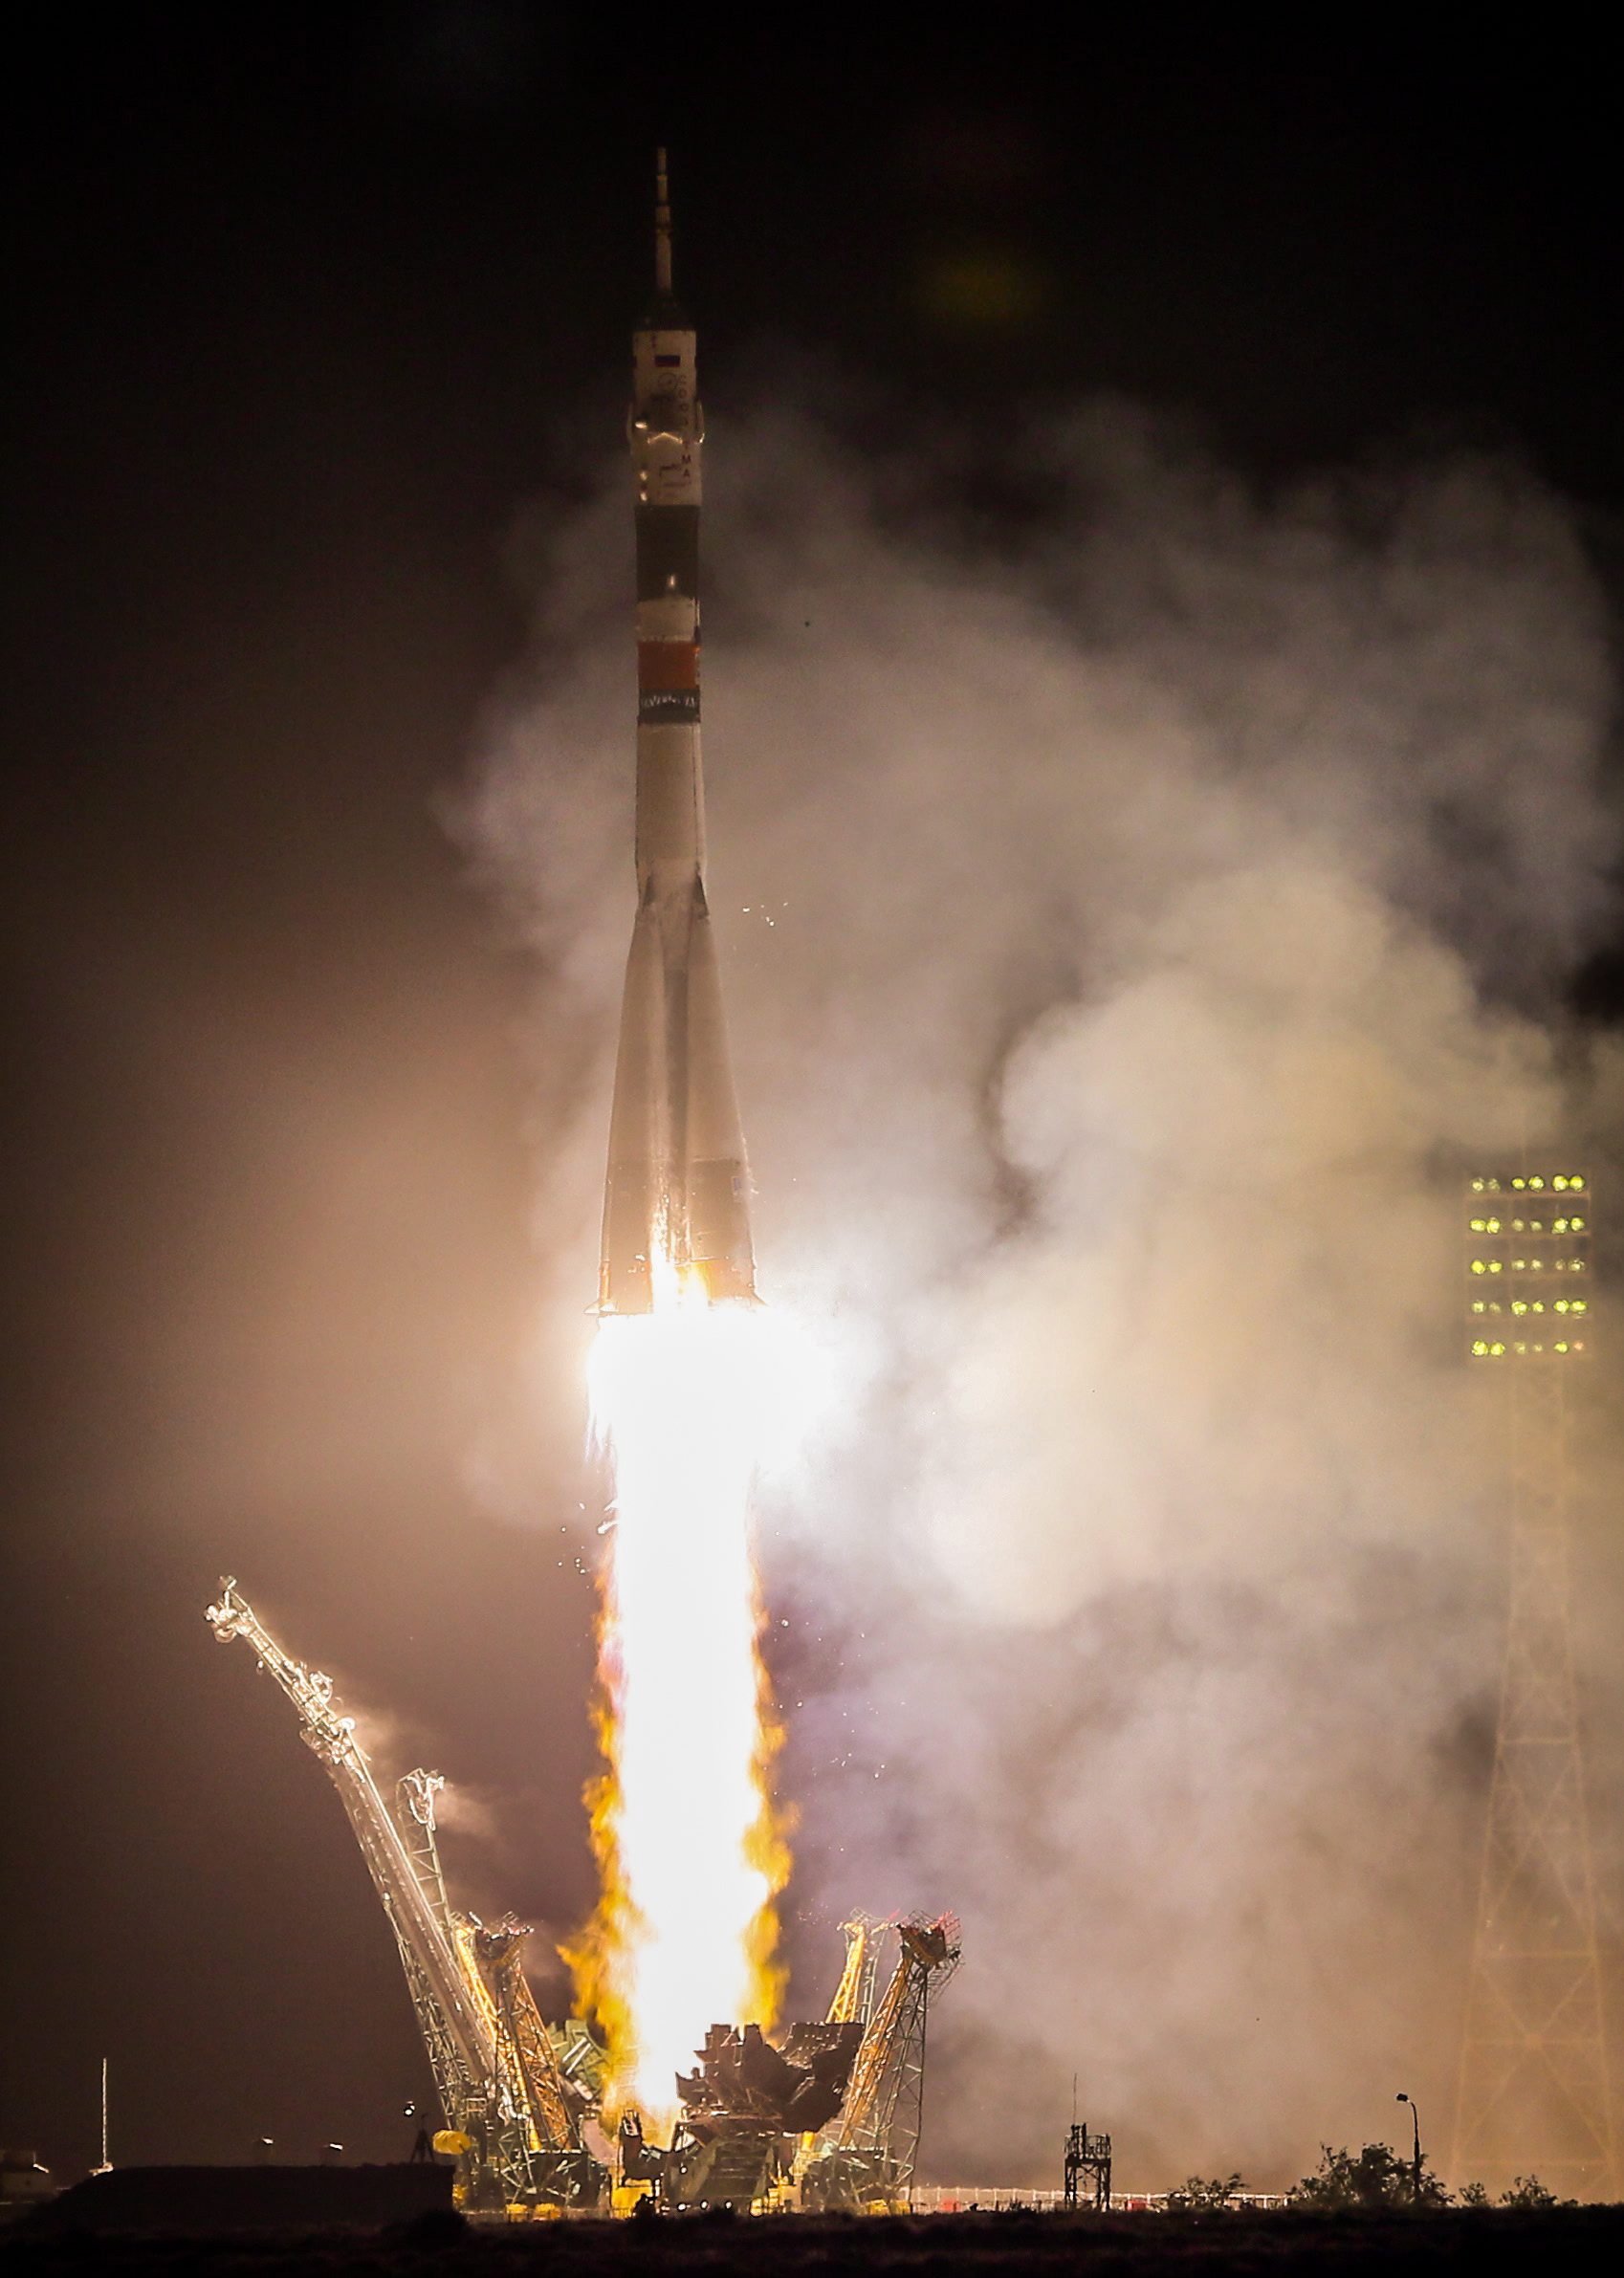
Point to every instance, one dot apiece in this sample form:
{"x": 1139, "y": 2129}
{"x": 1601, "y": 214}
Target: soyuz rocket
{"x": 678, "y": 1185}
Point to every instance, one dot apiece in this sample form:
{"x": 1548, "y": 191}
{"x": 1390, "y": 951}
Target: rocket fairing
{"x": 678, "y": 1186}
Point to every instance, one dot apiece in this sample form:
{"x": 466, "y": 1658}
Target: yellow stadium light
{"x": 1519, "y": 1305}
{"x": 1476, "y": 1186}
{"x": 1577, "y": 1225}
{"x": 1480, "y": 1348}
{"x": 1495, "y": 1350}
{"x": 1478, "y": 1226}
{"x": 1536, "y": 1182}
{"x": 1519, "y": 1183}
{"x": 1575, "y": 1181}
{"x": 1478, "y": 1266}
{"x": 1559, "y": 1182}
{"x": 1559, "y": 1347}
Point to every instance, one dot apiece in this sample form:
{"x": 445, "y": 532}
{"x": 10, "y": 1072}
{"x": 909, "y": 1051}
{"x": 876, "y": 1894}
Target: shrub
{"x": 1376, "y": 2178}
{"x": 1527, "y": 2191}
{"x": 1202, "y": 2195}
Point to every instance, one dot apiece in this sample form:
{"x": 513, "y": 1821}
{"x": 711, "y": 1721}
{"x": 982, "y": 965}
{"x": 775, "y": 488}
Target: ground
{"x": 1571, "y": 2240}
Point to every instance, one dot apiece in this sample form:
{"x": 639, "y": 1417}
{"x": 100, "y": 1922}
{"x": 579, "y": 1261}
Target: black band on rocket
{"x": 667, "y": 552}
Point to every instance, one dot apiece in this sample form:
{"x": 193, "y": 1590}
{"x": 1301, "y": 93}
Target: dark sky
{"x": 313, "y": 305}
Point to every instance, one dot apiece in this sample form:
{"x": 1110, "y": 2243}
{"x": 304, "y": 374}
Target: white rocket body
{"x": 678, "y": 1184}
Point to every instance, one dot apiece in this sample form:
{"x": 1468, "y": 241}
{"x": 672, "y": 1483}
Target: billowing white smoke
{"x": 1129, "y": 931}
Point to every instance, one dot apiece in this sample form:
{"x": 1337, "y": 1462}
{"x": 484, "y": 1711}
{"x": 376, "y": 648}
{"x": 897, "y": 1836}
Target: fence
{"x": 987, "y": 2198}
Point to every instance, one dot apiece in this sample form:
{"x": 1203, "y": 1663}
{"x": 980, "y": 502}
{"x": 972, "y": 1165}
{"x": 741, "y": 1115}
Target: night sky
{"x": 321, "y": 311}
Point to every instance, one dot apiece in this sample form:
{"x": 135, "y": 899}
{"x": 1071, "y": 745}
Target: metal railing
{"x": 963, "y": 2198}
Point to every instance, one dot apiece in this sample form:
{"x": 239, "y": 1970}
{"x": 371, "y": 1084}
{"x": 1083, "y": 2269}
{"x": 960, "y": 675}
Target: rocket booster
{"x": 678, "y": 1186}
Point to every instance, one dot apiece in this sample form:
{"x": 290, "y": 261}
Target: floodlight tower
{"x": 1534, "y": 2096}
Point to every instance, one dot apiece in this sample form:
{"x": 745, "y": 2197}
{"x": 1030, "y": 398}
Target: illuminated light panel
{"x": 1491, "y": 1257}
{"x": 1495, "y": 1348}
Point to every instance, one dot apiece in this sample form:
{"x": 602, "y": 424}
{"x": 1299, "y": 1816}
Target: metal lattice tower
{"x": 1088, "y": 2155}
{"x": 863, "y": 2159}
{"x": 1534, "y": 2096}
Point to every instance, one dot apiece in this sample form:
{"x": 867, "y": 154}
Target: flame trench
{"x": 691, "y": 1853}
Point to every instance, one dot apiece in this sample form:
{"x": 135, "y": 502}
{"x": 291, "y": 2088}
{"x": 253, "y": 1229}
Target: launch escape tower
{"x": 1533, "y": 2096}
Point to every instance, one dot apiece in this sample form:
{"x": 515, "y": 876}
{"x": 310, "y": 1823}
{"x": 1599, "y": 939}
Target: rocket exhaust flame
{"x": 687, "y": 1850}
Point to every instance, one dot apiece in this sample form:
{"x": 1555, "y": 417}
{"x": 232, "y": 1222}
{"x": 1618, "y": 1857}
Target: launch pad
{"x": 824, "y": 2118}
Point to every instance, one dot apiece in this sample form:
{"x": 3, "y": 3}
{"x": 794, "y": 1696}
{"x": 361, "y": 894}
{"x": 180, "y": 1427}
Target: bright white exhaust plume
{"x": 685, "y": 1828}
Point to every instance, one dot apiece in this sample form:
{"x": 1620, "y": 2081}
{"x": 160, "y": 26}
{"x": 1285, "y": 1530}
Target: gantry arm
{"x": 460, "y": 2048}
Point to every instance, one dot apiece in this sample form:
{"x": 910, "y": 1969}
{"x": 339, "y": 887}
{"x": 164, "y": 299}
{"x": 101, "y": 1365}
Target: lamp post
{"x": 1415, "y": 2157}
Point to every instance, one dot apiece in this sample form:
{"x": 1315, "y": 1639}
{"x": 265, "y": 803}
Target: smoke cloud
{"x": 1140, "y": 900}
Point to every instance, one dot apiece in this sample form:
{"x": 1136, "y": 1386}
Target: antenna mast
{"x": 106, "y": 2166}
